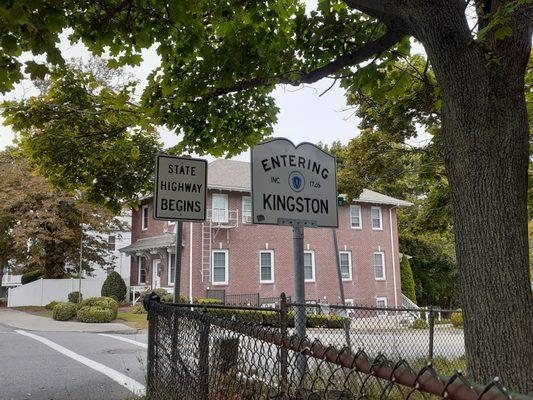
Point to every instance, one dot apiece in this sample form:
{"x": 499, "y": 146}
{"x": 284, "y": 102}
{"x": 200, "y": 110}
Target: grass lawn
{"x": 138, "y": 321}
{"x": 35, "y": 310}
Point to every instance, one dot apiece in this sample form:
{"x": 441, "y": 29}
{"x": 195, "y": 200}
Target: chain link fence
{"x": 223, "y": 352}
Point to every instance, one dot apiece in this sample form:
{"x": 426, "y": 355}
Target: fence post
{"x": 431, "y": 331}
{"x": 203, "y": 366}
{"x": 258, "y": 300}
{"x": 150, "y": 353}
{"x": 283, "y": 324}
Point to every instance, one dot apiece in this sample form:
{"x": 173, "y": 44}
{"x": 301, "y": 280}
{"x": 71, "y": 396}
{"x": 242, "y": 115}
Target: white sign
{"x": 293, "y": 183}
{"x": 180, "y": 188}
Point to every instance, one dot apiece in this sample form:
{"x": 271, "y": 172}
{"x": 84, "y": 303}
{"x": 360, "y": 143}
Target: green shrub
{"x": 138, "y": 310}
{"x": 75, "y": 297}
{"x": 101, "y": 302}
{"x": 407, "y": 280}
{"x": 64, "y": 311}
{"x": 159, "y": 291}
{"x": 443, "y": 321}
{"x": 95, "y": 314}
{"x": 114, "y": 287}
{"x": 203, "y": 300}
{"x": 31, "y": 276}
{"x": 420, "y": 323}
{"x": 51, "y": 305}
{"x": 457, "y": 318}
{"x": 169, "y": 298}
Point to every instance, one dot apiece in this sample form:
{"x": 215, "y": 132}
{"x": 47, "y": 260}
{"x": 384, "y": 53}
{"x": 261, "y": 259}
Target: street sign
{"x": 180, "y": 188}
{"x": 293, "y": 184}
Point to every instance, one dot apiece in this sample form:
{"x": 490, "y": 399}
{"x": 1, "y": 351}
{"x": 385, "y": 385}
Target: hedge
{"x": 159, "y": 291}
{"x": 271, "y": 318}
{"x": 101, "y": 302}
{"x": 114, "y": 287}
{"x": 51, "y": 305}
{"x": 64, "y": 311}
{"x": 93, "y": 314}
{"x": 75, "y": 297}
{"x": 457, "y": 318}
{"x": 31, "y": 276}
{"x": 138, "y": 310}
{"x": 206, "y": 300}
{"x": 420, "y": 323}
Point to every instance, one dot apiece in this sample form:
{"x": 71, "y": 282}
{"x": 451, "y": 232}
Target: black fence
{"x": 224, "y": 352}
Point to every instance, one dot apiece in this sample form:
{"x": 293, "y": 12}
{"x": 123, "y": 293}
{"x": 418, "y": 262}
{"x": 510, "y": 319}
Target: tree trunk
{"x": 485, "y": 136}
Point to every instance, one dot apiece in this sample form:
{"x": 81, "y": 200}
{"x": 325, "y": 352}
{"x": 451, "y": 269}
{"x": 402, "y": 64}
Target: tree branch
{"x": 380, "y": 9}
{"x": 298, "y": 77}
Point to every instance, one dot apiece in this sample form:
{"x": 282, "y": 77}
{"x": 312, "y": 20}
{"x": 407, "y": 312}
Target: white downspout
{"x": 190, "y": 262}
{"x": 393, "y": 258}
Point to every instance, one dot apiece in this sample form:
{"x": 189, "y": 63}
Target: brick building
{"x": 228, "y": 252}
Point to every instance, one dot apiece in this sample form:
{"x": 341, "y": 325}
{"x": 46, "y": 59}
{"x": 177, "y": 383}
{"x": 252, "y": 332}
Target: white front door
{"x": 156, "y": 279}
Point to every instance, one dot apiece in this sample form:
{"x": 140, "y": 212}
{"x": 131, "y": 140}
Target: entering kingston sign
{"x": 293, "y": 184}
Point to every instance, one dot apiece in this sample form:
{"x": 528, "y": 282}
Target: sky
{"x": 305, "y": 114}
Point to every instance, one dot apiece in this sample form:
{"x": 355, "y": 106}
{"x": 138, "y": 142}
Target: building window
{"x": 355, "y": 217}
{"x": 246, "y": 209}
{"x": 377, "y": 223}
{"x": 381, "y": 302}
{"x": 345, "y": 259}
{"x": 220, "y": 208}
{"x": 266, "y": 266}
{"x": 309, "y": 266}
{"x": 144, "y": 217}
{"x": 379, "y": 265}
{"x": 171, "y": 268}
{"x": 220, "y": 267}
{"x": 111, "y": 242}
{"x": 141, "y": 264}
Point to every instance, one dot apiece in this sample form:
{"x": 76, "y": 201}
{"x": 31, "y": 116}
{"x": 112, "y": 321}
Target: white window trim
{"x": 384, "y": 278}
{"x": 247, "y": 220}
{"x": 169, "y": 275}
{"x": 379, "y": 312}
{"x": 139, "y": 271}
{"x": 360, "y": 217}
{"x": 349, "y": 278}
{"x": 380, "y": 219}
{"x": 226, "y": 217}
{"x": 313, "y": 266}
{"x": 144, "y": 227}
{"x": 271, "y": 266}
{"x": 226, "y": 269}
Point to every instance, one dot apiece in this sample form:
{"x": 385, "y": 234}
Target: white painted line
{"x": 132, "y": 385}
{"x": 130, "y": 341}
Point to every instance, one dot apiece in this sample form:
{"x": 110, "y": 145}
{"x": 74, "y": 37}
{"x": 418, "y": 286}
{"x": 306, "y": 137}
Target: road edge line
{"x": 131, "y": 384}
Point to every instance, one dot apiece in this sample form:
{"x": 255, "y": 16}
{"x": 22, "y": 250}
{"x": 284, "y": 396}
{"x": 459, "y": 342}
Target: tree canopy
{"x": 45, "y": 225}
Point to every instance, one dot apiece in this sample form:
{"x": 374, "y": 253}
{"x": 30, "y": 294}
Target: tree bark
{"x": 485, "y": 137}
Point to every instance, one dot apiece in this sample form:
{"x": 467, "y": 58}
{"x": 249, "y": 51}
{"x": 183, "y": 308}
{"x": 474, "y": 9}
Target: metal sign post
{"x": 294, "y": 186}
{"x": 341, "y": 287}
{"x": 180, "y": 195}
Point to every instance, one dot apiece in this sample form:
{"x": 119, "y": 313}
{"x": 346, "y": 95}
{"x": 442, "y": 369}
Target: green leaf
{"x": 503, "y": 32}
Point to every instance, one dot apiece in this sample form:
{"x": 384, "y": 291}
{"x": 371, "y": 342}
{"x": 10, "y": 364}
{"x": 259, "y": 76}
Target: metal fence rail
{"x": 221, "y": 352}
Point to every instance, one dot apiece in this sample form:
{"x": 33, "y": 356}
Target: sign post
{"x": 294, "y": 186}
{"x": 180, "y": 195}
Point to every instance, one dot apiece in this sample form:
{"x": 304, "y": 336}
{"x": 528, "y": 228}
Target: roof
{"x": 229, "y": 175}
{"x": 369, "y": 196}
{"x": 234, "y": 175}
{"x": 150, "y": 243}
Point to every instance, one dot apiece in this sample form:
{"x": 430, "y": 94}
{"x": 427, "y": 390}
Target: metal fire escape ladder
{"x": 206, "y": 250}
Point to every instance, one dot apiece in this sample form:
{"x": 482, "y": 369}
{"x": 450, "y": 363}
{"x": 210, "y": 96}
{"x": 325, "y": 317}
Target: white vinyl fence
{"x": 44, "y": 291}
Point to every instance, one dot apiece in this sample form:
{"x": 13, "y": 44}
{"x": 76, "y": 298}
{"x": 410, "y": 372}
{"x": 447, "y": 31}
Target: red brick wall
{"x": 245, "y": 242}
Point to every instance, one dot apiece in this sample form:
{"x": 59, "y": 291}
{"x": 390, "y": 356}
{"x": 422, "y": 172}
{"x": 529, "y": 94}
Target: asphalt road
{"x": 70, "y": 365}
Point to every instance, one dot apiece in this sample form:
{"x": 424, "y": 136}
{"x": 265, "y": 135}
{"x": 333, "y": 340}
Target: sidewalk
{"x": 22, "y": 320}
